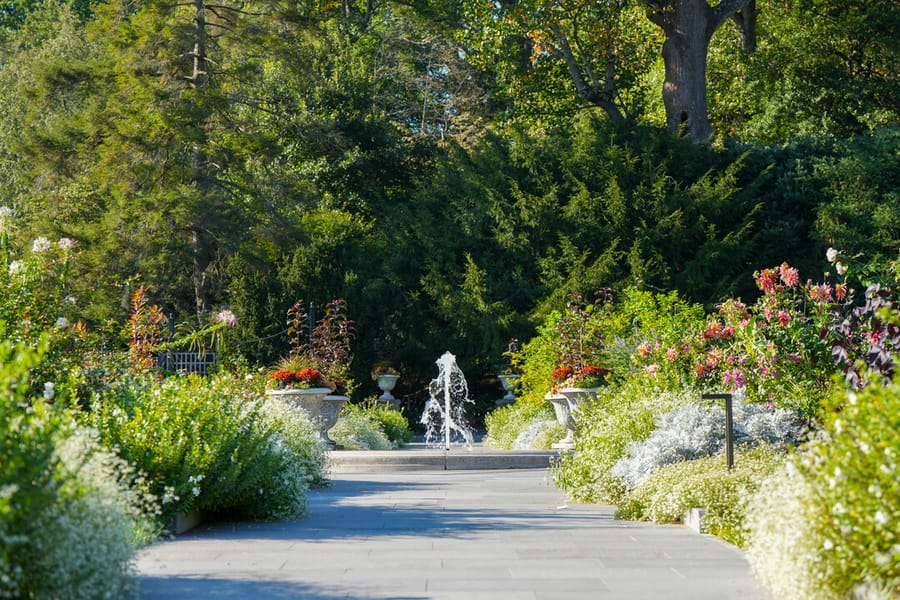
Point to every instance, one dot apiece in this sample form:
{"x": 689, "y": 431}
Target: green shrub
{"x": 69, "y": 521}
{"x": 83, "y": 545}
{"x": 205, "y": 445}
{"x": 359, "y": 431}
{"x": 620, "y": 415}
{"x": 703, "y": 483}
{"x": 27, "y": 463}
{"x": 523, "y": 426}
{"x": 827, "y": 525}
{"x": 392, "y": 423}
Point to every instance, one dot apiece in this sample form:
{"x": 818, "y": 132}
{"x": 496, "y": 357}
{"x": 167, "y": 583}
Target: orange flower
{"x": 840, "y": 291}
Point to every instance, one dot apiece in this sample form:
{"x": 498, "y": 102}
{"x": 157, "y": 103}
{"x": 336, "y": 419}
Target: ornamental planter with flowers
{"x": 572, "y": 388}
{"x": 308, "y": 390}
{"x": 386, "y": 377}
{"x": 317, "y": 365}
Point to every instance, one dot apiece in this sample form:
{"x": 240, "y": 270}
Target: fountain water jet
{"x": 444, "y": 411}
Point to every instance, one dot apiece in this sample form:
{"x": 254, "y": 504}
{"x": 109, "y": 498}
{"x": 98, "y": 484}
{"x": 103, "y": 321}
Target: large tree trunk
{"x": 688, "y": 26}
{"x": 684, "y": 90}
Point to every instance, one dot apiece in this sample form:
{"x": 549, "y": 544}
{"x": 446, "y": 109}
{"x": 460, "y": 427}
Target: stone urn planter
{"x": 564, "y": 416}
{"x": 386, "y": 383}
{"x": 566, "y": 403}
{"x": 578, "y": 396}
{"x": 320, "y": 404}
{"x": 509, "y": 381}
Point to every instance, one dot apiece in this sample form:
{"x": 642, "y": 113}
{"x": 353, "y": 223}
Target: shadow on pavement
{"x": 193, "y": 588}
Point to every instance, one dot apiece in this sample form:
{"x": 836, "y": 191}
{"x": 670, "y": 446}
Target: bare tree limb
{"x": 587, "y": 92}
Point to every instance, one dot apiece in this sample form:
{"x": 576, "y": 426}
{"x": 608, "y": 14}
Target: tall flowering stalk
{"x": 332, "y": 340}
{"x": 578, "y": 336}
{"x": 298, "y": 328}
{"x": 146, "y": 330}
{"x": 328, "y": 349}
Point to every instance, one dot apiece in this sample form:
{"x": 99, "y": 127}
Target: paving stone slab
{"x": 446, "y": 535}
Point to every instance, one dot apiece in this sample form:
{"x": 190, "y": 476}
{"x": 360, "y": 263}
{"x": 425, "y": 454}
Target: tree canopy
{"x": 452, "y": 169}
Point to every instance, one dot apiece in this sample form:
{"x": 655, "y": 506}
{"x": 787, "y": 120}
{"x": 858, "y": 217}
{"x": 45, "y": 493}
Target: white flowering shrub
{"x": 696, "y": 430}
{"x": 507, "y": 424}
{"x": 618, "y": 417}
{"x": 667, "y": 494}
{"x": 827, "y": 525}
{"x": 359, "y": 431}
{"x": 539, "y": 435}
{"x": 82, "y": 546}
{"x": 302, "y": 461}
{"x": 71, "y": 513}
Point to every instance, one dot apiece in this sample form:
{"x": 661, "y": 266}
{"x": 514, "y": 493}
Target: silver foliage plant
{"x": 696, "y": 430}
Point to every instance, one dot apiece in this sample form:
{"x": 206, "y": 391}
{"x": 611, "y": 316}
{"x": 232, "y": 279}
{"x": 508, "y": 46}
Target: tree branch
{"x": 723, "y": 11}
{"x": 745, "y": 19}
{"x": 587, "y": 92}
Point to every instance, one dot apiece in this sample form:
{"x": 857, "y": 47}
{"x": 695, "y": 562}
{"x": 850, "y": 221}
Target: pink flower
{"x": 644, "y": 349}
{"x": 227, "y": 317}
{"x": 789, "y": 275}
{"x": 820, "y": 293}
{"x": 766, "y": 280}
{"x": 783, "y": 317}
{"x": 874, "y": 337}
{"x": 671, "y": 354}
{"x": 651, "y": 369}
{"x": 735, "y": 378}
{"x": 715, "y": 331}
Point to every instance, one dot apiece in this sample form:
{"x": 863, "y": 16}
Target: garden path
{"x": 446, "y": 534}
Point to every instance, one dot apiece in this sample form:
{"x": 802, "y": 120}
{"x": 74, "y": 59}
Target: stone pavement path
{"x": 498, "y": 535}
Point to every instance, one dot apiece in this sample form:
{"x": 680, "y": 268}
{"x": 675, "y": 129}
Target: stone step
{"x": 418, "y": 457}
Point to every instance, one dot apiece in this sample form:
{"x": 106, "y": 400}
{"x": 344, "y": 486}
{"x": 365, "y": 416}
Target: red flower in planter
{"x": 308, "y": 375}
{"x": 284, "y": 376}
{"x": 561, "y": 374}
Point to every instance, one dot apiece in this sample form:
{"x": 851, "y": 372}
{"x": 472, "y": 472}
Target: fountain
{"x": 444, "y": 410}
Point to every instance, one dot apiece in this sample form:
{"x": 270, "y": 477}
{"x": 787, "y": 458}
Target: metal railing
{"x": 187, "y": 362}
